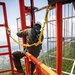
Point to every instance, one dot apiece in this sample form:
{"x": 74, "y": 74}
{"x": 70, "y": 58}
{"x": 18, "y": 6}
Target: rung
{"x": 2, "y": 25}
{"x": 10, "y": 71}
{"x": 4, "y": 46}
{"x": 5, "y": 71}
{"x": 4, "y": 53}
{"x": 19, "y": 73}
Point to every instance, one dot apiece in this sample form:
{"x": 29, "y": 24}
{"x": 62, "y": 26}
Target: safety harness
{"x": 41, "y": 33}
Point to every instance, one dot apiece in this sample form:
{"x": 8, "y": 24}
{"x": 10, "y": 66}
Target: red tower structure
{"x": 40, "y": 67}
{"x": 8, "y": 40}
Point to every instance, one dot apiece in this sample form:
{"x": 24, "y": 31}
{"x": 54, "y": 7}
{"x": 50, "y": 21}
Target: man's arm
{"x": 22, "y": 33}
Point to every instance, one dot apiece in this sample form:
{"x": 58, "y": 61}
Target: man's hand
{"x": 9, "y": 31}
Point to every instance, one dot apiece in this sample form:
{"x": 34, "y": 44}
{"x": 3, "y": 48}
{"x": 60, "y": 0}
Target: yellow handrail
{"x": 41, "y": 67}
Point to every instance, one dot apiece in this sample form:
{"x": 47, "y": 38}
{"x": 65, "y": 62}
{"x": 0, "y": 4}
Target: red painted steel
{"x": 7, "y": 36}
{"x": 5, "y": 71}
{"x": 2, "y": 3}
{"x": 38, "y": 71}
{"x": 27, "y": 64}
{"x": 32, "y": 13}
{"x": 59, "y": 38}
{"x": 23, "y": 11}
{"x": 5, "y": 53}
{"x": 4, "y": 46}
{"x": 27, "y": 10}
{"x": 22, "y": 16}
{"x": 40, "y": 67}
{"x": 1, "y": 24}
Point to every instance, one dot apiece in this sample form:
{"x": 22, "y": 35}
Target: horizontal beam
{"x": 64, "y": 41}
{"x": 62, "y": 71}
{"x": 65, "y": 18}
{"x": 4, "y": 46}
{"x": 4, "y": 53}
{"x": 5, "y": 71}
{"x": 39, "y": 10}
{"x": 63, "y": 58}
{"x": 2, "y": 25}
{"x": 62, "y": 37}
{"x": 2, "y": 3}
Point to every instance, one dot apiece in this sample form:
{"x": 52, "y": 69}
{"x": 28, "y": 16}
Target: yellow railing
{"x": 40, "y": 67}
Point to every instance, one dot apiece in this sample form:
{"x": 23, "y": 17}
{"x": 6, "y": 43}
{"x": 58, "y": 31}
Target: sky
{"x": 12, "y": 8}
{"x": 13, "y": 12}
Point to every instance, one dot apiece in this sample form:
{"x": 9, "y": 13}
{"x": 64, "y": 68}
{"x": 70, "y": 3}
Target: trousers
{"x": 17, "y": 63}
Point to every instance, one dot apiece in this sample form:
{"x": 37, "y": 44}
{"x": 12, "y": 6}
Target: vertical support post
{"x": 59, "y": 38}
{"x": 72, "y": 68}
{"x": 32, "y": 13}
{"x": 22, "y": 16}
{"x": 22, "y": 19}
{"x": 8, "y": 39}
{"x": 27, "y": 65}
{"x": 38, "y": 71}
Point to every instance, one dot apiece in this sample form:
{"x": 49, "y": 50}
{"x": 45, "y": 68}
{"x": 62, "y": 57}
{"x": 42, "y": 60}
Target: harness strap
{"x": 41, "y": 33}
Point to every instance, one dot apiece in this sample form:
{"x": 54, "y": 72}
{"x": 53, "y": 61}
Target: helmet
{"x": 38, "y": 24}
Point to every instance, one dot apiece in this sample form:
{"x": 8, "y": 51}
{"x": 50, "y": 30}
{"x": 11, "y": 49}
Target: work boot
{"x": 31, "y": 74}
{"x": 20, "y": 71}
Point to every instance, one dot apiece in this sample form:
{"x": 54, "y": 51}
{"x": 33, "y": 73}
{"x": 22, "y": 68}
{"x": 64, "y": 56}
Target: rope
{"x": 41, "y": 33}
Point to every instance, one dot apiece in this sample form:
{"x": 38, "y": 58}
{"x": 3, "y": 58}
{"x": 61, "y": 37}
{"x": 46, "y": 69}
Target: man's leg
{"x": 16, "y": 58}
{"x": 35, "y": 52}
{"x": 32, "y": 68}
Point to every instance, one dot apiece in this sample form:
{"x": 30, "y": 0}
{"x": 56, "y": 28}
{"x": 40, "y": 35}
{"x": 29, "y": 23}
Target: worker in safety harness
{"x": 31, "y": 35}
